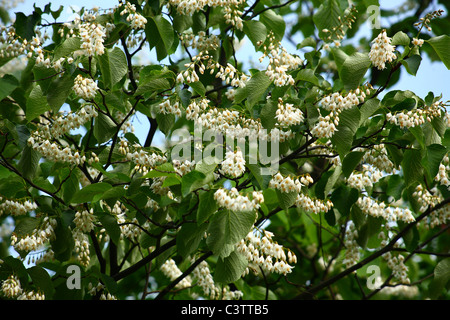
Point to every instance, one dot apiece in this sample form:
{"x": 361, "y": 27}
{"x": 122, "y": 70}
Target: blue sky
{"x": 431, "y": 76}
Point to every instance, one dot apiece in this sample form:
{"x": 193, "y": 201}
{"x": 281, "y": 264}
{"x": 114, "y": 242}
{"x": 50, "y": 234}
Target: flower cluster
{"x": 364, "y": 179}
{"x": 14, "y": 46}
{"x": 234, "y": 164}
{"x": 429, "y": 199}
{"x": 92, "y": 36}
{"x": 52, "y": 151}
{"x": 137, "y": 21}
{"x": 285, "y": 184}
{"x": 326, "y": 127}
{"x": 335, "y": 103}
{"x": 71, "y": 121}
{"x": 336, "y": 34}
{"x": 280, "y": 62}
{"x": 263, "y": 252}
{"x": 171, "y": 270}
{"x": 11, "y": 287}
{"x": 84, "y": 220}
{"x": 183, "y": 167}
{"x": 417, "y": 42}
{"x": 395, "y": 262}
{"x": 166, "y": 107}
{"x": 425, "y": 21}
{"x": 201, "y": 41}
{"x": 145, "y": 161}
{"x": 16, "y": 208}
{"x": 205, "y": 280}
{"x": 203, "y": 61}
{"x": 382, "y": 51}
{"x": 312, "y": 205}
{"x": 81, "y": 244}
{"x": 416, "y": 117}
{"x": 232, "y": 123}
{"x": 380, "y": 209}
{"x": 352, "y": 253}
{"x": 232, "y": 13}
{"x": 232, "y": 200}
{"x": 442, "y": 175}
{"x": 37, "y": 238}
{"x": 85, "y": 88}
{"x": 31, "y": 296}
{"x": 287, "y": 115}
{"x": 377, "y": 156}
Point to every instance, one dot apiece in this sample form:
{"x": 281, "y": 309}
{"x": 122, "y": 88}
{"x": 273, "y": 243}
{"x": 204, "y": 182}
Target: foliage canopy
{"x": 356, "y": 180}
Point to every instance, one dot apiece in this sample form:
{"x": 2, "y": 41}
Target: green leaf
{"x": 165, "y": 122}
{"x": 412, "y": 64}
{"x": 368, "y": 109}
{"x": 400, "y": 39}
{"x": 104, "y": 128}
{"x": 412, "y": 167}
{"x": 327, "y": 16}
{"x": 268, "y": 113}
{"x": 113, "y": 65}
{"x": 160, "y": 35}
{"x": 226, "y": 228}
{"x": 24, "y": 25}
{"x": 112, "y": 228}
{"x": 286, "y": 200}
{"x": 61, "y": 87}
{"x": 434, "y": 155}
{"x": 350, "y": 162}
{"x": 255, "y": 31}
{"x": 198, "y": 87}
{"x": 441, "y": 278}
{"x": 411, "y": 239}
{"x": 191, "y": 181}
{"x": 348, "y": 124}
{"x": 110, "y": 283}
{"x": 207, "y": 206}
{"x": 254, "y": 90}
{"x": 343, "y": 199}
{"x": 307, "y": 75}
{"x": 441, "y": 45}
{"x": 230, "y": 269}
{"x": 353, "y": 70}
{"x": 67, "y": 47}
{"x": 339, "y": 57}
{"x": 36, "y": 103}
{"x": 149, "y": 87}
{"x": 62, "y": 243}
{"x": 395, "y": 186}
{"x": 273, "y": 22}
{"x": 29, "y": 162}
{"x": 189, "y": 238}
{"x": 332, "y": 180}
{"x": 91, "y": 192}
{"x": 41, "y": 279}
{"x": 26, "y": 226}
{"x": 8, "y": 84}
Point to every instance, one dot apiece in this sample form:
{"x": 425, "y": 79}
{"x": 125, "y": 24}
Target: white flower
{"x": 232, "y": 200}
{"x": 285, "y": 184}
{"x": 382, "y": 51}
{"x": 85, "y": 88}
{"x": 234, "y": 164}
{"x": 417, "y": 42}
